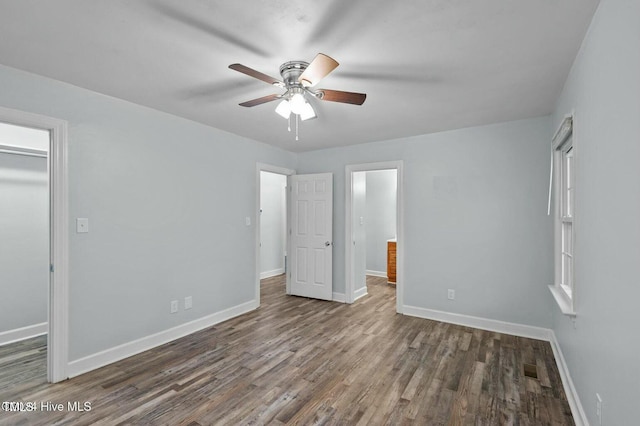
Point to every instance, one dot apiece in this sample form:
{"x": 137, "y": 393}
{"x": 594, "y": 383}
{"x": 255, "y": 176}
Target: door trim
{"x": 58, "y": 316}
{"x": 262, "y": 167}
{"x": 349, "y": 252}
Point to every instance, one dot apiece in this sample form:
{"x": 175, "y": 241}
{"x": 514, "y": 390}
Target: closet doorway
{"x": 24, "y": 251}
{"x": 35, "y": 239}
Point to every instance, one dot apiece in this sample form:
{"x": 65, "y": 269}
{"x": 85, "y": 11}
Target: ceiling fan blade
{"x": 340, "y": 96}
{"x": 203, "y": 24}
{"x": 262, "y": 100}
{"x": 256, "y": 74}
{"x": 318, "y": 69}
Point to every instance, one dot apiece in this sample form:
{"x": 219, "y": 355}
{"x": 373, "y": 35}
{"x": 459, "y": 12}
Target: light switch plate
{"x": 82, "y": 225}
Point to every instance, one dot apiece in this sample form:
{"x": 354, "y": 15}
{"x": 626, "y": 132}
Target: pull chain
{"x": 297, "y": 127}
{"x": 289, "y": 123}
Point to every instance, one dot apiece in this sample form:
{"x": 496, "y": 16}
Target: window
{"x": 563, "y": 175}
{"x": 566, "y": 219}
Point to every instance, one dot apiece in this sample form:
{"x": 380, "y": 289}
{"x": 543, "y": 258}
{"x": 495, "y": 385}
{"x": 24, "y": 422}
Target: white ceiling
{"x": 426, "y": 65}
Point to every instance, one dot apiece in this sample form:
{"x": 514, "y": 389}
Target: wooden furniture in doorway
{"x": 391, "y": 261}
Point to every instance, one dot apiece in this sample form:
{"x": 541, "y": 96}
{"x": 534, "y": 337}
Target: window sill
{"x": 565, "y": 305}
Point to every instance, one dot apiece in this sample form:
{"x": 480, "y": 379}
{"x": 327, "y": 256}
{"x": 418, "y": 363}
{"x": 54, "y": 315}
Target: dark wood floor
{"x": 23, "y": 362}
{"x": 302, "y": 361}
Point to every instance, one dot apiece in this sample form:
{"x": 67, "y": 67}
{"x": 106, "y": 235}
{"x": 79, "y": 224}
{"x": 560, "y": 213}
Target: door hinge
{"x": 51, "y": 267}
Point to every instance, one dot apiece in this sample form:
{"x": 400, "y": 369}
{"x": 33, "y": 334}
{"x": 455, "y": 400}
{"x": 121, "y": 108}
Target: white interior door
{"x": 311, "y": 235}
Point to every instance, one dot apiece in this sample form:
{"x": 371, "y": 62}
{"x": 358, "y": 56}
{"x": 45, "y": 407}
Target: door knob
{"x": 327, "y": 243}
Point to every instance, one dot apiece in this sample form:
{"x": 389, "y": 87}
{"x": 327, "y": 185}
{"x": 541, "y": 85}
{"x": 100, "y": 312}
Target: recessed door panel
{"x": 320, "y": 186}
{"x": 301, "y": 264}
{"x": 319, "y": 218}
{"x": 302, "y": 210}
{"x": 319, "y": 263}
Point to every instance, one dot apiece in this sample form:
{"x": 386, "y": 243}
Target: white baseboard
{"x": 579, "y": 416}
{"x": 361, "y": 292}
{"x": 273, "y": 273}
{"x": 521, "y": 330}
{"x": 376, "y": 273}
{"x": 23, "y": 333}
{"x": 339, "y": 297}
{"x": 108, "y": 356}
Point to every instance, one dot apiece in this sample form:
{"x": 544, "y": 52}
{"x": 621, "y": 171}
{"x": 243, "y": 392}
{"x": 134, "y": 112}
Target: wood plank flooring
{"x": 23, "y": 362}
{"x": 303, "y": 361}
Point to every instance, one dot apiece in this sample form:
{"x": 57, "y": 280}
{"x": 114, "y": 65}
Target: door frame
{"x": 57, "y": 165}
{"x": 263, "y": 167}
{"x": 349, "y": 226}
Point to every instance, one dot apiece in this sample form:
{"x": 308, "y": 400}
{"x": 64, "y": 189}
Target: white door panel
{"x": 311, "y": 235}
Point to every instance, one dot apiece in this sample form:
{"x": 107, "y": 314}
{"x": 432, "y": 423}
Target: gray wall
{"x": 475, "y": 216}
{"x": 604, "y": 89}
{"x": 24, "y": 241}
{"x": 166, "y": 199}
{"x": 273, "y": 222}
{"x": 381, "y": 217}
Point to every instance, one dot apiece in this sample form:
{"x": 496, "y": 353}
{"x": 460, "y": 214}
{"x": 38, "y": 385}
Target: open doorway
{"x": 24, "y": 252}
{"x": 272, "y": 222}
{"x": 52, "y": 269}
{"x": 374, "y": 229}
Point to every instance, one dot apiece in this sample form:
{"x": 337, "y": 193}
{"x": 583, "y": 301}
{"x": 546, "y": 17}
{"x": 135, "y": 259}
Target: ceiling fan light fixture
{"x": 284, "y": 109}
{"x": 297, "y": 103}
{"x": 307, "y": 112}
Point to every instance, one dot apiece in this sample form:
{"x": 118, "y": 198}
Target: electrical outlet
{"x": 599, "y": 408}
{"x": 188, "y": 302}
{"x": 451, "y": 294}
{"x": 174, "y": 306}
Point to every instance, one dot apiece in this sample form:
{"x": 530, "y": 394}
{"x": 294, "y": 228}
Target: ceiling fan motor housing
{"x": 291, "y": 71}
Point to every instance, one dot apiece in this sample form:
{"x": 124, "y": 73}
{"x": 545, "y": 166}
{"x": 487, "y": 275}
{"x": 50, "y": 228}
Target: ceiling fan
{"x": 299, "y": 78}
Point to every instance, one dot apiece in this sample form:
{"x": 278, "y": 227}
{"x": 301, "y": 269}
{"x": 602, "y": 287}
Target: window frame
{"x": 565, "y": 216}
{"x": 564, "y": 165}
